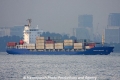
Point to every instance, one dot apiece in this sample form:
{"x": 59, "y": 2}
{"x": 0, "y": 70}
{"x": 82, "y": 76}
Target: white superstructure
{"x": 30, "y": 34}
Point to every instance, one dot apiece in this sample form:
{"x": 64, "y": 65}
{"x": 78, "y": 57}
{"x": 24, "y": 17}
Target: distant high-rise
{"x": 114, "y": 20}
{"x": 112, "y": 35}
{"x": 4, "y": 31}
{"x": 17, "y": 31}
{"x": 85, "y": 27}
{"x": 84, "y": 33}
{"x": 112, "y": 32}
{"x": 85, "y": 21}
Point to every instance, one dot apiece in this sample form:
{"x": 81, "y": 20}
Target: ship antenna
{"x": 103, "y": 40}
{"x": 29, "y": 22}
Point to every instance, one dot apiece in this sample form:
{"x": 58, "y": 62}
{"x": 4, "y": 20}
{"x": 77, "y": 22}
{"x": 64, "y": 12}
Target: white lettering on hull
{"x": 98, "y": 50}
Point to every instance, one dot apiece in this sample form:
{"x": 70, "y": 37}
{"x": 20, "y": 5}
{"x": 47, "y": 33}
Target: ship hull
{"x": 92, "y": 51}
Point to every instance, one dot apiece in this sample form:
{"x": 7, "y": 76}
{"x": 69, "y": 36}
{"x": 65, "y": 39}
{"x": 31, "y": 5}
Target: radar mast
{"x": 29, "y": 22}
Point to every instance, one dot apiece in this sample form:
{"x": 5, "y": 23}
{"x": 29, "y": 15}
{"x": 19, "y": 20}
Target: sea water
{"x": 60, "y": 67}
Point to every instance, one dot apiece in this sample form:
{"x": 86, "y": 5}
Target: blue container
{"x": 68, "y": 47}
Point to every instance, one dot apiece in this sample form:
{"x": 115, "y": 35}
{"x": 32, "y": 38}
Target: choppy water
{"x": 60, "y": 67}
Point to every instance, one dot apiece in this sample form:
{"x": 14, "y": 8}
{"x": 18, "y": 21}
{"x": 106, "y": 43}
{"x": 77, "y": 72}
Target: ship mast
{"x": 29, "y": 22}
{"x": 103, "y": 40}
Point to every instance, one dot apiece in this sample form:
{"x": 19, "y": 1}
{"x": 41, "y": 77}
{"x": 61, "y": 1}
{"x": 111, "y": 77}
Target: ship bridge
{"x": 30, "y": 34}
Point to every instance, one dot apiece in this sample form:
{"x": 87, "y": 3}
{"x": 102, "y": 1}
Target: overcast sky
{"x": 56, "y": 15}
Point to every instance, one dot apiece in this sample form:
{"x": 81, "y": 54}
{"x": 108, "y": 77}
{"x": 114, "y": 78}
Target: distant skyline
{"x": 59, "y": 16}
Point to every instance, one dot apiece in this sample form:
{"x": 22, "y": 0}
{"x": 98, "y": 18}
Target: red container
{"x": 91, "y": 44}
{"x": 21, "y": 42}
{"x": 11, "y": 44}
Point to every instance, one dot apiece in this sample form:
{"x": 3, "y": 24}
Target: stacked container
{"x": 58, "y": 45}
{"x": 87, "y": 47}
{"x": 91, "y": 45}
{"x": 30, "y": 46}
{"x": 68, "y": 44}
{"x": 40, "y": 42}
{"x": 11, "y": 44}
{"x": 49, "y": 44}
{"x": 78, "y": 46}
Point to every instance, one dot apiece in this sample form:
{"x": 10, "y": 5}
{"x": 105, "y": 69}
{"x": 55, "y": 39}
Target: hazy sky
{"x": 56, "y": 15}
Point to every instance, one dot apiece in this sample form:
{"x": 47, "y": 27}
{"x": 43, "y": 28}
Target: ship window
{"x": 33, "y": 29}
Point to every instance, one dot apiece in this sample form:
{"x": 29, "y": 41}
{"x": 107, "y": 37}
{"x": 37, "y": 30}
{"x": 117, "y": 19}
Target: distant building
{"x": 84, "y": 33}
{"x": 85, "y": 27}
{"x": 114, "y": 20}
{"x": 17, "y": 31}
{"x": 4, "y": 31}
{"x": 112, "y": 35}
{"x": 85, "y": 21}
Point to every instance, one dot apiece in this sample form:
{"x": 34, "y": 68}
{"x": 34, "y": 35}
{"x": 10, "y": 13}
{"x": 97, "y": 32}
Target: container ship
{"x": 34, "y": 44}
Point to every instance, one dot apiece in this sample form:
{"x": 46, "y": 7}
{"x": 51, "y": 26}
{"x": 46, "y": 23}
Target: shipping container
{"x": 87, "y": 47}
{"x": 40, "y": 47}
{"x": 49, "y": 42}
{"x": 21, "y": 42}
{"x": 40, "y": 41}
{"x": 30, "y": 44}
{"x": 78, "y": 47}
{"x": 58, "y": 47}
{"x": 11, "y": 44}
{"x": 78, "y": 44}
{"x": 58, "y": 44}
{"x": 39, "y": 38}
{"x": 30, "y": 47}
{"x": 49, "y": 46}
{"x": 68, "y": 47}
{"x": 68, "y": 44}
{"x": 91, "y": 44}
{"x": 40, "y": 44}
{"x": 68, "y": 41}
